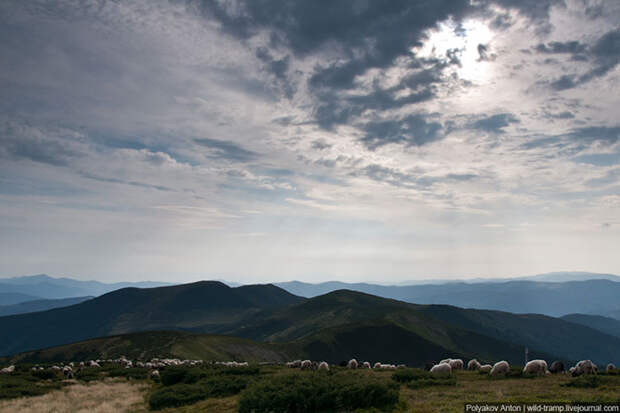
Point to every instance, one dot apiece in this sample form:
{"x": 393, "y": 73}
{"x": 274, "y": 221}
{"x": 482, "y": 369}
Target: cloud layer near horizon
{"x": 269, "y": 140}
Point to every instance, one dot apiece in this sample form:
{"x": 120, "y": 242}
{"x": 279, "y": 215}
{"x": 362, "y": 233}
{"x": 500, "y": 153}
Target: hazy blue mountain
{"x": 44, "y": 286}
{"x": 550, "y": 298}
{"x": 605, "y": 324}
{"x": 570, "y": 276}
{"x": 39, "y": 305}
{"x": 10, "y": 298}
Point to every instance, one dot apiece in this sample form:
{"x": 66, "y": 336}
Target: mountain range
{"x": 334, "y": 326}
{"x": 39, "y": 305}
{"x": 16, "y": 290}
{"x": 591, "y": 296}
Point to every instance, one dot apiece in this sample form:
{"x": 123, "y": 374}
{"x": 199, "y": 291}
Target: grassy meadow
{"x": 274, "y": 388}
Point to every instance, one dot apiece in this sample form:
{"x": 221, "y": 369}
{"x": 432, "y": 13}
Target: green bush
{"x": 180, "y": 393}
{"x": 45, "y": 374}
{"x": 407, "y": 375}
{"x": 589, "y": 381}
{"x": 318, "y": 392}
{"x": 23, "y": 386}
{"x": 130, "y": 373}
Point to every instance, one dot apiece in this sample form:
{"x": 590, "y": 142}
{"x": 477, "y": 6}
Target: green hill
{"x": 607, "y": 325}
{"x": 208, "y": 304}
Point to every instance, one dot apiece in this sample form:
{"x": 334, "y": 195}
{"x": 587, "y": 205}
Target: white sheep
{"x": 7, "y": 370}
{"x": 456, "y": 364}
{"x": 537, "y": 367}
{"x": 377, "y": 365}
{"x": 611, "y": 367}
{"x": 323, "y": 366}
{"x": 352, "y": 364}
{"x": 445, "y": 361}
{"x": 366, "y": 365}
{"x": 306, "y": 365}
{"x": 584, "y": 367}
{"x": 571, "y": 371}
{"x": 501, "y": 367}
{"x": 294, "y": 364}
{"x": 401, "y": 366}
{"x": 155, "y": 374}
{"x": 473, "y": 364}
{"x": 441, "y": 369}
{"x": 486, "y": 368}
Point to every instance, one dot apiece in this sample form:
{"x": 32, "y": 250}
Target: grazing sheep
{"x": 486, "y": 368}
{"x": 7, "y": 370}
{"x": 456, "y": 364}
{"x": 323, "y": 366}
{"x": 584, "y": 367}
{"x": 294, "y": 364}
{"x": 155, "y": 374}
{"x": 610, "y": 368}
{"x": 445, "y": 361}
{"x": 571, "y": 371}
{"x": 352, "y": 364}
{"x": 401, "y": 366}
{"x": 306, "y": 365}
{"x": 501, "y": 367}
{"x": 366, "y": 365}
{"x": 535, "y": 367}
{"x": 55, "y": 368}
{"x": 473, "y": 365}
{"x": 556, "y": 367}
{"x": 377, "y": 365}
{"x": 441, "y": 369}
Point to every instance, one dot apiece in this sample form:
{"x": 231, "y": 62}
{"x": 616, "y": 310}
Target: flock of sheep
{"x": 443, "y": 368}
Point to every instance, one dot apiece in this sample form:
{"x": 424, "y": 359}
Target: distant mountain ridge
{"x": 39, "y": 305}
{"x": 43, "y": 286}
{"x": 517, "y": 296}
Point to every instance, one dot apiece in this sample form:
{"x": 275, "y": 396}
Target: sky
{"x": 262, "y": 140}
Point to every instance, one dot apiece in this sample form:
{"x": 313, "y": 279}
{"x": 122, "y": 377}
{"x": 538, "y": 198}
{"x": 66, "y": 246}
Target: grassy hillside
{"x": 206, "y": 304}
{"x": 161, "y": 344}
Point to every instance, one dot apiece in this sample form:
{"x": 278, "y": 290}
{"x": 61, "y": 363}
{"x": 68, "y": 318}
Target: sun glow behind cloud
{"x": 467, "y": 41}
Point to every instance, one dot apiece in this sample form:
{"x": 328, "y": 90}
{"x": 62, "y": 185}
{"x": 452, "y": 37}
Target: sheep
{"x": 352, "y": 364}
{"x": 501, "y": 367}
{"x": 535, "y": 367}
{"x": 366, "y": 365}
{"x": 7, "y": 370}
{"x": 306, "y": 365}
{"x": 155, "y": 374}
{"x": 445, "y": 361}
{"x": 377, "y": 365}
{"x": 473, "y": 364}
{"x": 456, "y": 364}
{"x": 294, "y": 364}
{"x": 584, "y": 367}
{"x": 401, "y": 366}
{"x": 556, "y": 367}
{"x": 441, "y": 369}
{"x": 611, "y": 368}
{"x": 572, "y": 371}
{"x": 323, "y": 366}
{"x": 486, "y": 368}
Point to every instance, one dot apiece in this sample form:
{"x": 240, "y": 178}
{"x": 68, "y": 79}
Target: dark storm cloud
{"x": 605, "y": 55}
{"x": 413, "y": 130}
{"x": 494, "y": 123}
{"x": 227, "y": 150}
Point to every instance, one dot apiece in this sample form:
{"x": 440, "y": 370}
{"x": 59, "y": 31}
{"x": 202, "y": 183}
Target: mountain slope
{"x": 39, "y": 305}
{"x": 550, "y": 298}
{"x": 205, "y": 303}
{"x": 162, "y": 344}
{"x": 456, "y": 330}
{"x": 607, "y": 325}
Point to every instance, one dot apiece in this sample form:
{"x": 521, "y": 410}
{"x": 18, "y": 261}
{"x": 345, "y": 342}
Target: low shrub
{"x": 130, "y": 373}
{"x": 589, "y": 381}
{"x": 407, "y": 375}
{"x": 23, "y": 386}
{"x": 45, "y": 374}
{"x": 181, "y": 393}
{"x": 318, "y": 392}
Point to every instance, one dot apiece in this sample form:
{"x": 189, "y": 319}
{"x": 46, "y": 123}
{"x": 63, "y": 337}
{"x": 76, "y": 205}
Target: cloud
{"x": 494, "y": 123}
{"x": 413, "y": 130}
{"x": 226, "y": 150}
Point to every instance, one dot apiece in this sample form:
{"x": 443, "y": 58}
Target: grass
{"x": 99, "y": 397}
{"x": 279, "y": 389}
